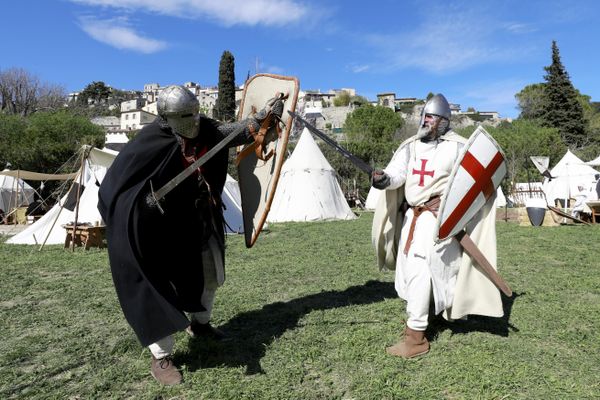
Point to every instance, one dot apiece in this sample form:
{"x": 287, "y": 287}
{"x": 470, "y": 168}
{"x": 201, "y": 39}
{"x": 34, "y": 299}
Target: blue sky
{"x": 478, "y": 53}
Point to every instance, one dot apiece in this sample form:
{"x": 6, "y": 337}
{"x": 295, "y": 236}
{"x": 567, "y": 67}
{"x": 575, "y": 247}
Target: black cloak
{"x": 156, "y": 259}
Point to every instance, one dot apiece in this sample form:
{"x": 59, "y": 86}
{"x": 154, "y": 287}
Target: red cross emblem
{"x": 422, "y": 172}
{"x": 483, "y": 184}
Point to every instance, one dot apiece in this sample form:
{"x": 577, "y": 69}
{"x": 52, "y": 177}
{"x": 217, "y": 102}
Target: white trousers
{"x": 214, "y": 277}
{"x": 418, "y": 291}
{"x": 164, "y": 346}
{"x": 428, "y": 270}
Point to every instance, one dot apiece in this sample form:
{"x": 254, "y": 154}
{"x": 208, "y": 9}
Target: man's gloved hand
{"x": 274, "y": 105}
{"x": 277, "y": 108}
{"x": 379, "y": 179}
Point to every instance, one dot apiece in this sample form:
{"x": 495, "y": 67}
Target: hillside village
{"x": 314, "y": 104}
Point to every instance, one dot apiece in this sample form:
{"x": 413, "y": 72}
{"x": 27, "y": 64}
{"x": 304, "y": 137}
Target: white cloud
{"x": 270, "y": 69}
{"x": 357, "y": 69}
{"x": 116, "y": 33}
{"x": 274, "y": 69}
{"x": 446, "y": 40}
{"x": 518, "y": 28}
{"x": 225, "y": 12}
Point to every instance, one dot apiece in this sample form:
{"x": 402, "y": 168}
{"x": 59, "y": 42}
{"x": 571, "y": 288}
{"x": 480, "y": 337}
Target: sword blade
{"x": 360, "y": 164}
{"x": 180, "y": 177}
{"x": 473, "y": 251}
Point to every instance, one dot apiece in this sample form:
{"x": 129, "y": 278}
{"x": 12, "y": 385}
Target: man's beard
{"x": 424, "y": 131}
{"x": 433, "y": 130}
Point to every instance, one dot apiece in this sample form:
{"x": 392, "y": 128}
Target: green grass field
{"x": 310, "y": 316}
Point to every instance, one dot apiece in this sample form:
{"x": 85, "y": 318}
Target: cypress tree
{"x": 562, "y": 110}
{"x": 225, "y": 105}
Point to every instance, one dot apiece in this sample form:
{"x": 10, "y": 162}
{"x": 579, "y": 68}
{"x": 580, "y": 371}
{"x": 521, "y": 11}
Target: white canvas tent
{"x": 14, "y": 192}
{"x": 307, "y": 188}
{"x": 522, "y": 192}
{"x": 49, "y": 230}
{"x": 233, "y": 206}
{"x": 569, "y": 173}
{"x": 500, "y": 198}
{"x": 594, "y": 163}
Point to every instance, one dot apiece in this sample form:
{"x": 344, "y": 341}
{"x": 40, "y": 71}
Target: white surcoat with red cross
{"x": 419, "y": 171}
{"x": 423, "y": 168}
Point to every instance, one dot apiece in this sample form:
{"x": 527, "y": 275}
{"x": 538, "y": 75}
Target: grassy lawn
{"x": 310, "y": 316}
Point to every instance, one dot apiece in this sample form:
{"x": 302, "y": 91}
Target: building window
{"x": 126, "y": 116}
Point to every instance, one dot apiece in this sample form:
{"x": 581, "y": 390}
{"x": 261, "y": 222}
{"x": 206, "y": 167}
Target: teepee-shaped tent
{"x": 500, "y": 198}
{"x": 567, "y": 175}
{"x": 49, "y": 229}
{"x": 307, "y": 188}
{"x": 14, "y": 192}
{"x": 234, "y": 222}
{"x": 594, "y": 163}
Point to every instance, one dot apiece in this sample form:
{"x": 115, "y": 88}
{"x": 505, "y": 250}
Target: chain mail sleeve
{"x": 250, "y": 124}
{"x": 244, "y": 137}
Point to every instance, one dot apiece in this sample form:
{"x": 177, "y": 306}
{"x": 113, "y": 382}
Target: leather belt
{"x": 432, "y": 205}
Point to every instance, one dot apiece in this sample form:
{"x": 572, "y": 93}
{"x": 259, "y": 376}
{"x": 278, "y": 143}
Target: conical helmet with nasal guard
{"x": 437, "y": 105}
{"x": 179, "y": 108}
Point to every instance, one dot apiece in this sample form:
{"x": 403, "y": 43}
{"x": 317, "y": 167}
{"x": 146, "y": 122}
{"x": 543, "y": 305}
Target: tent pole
{"x": 53, "y": 223}
{"x": 55, "y": 219}
{"x": 567, "y": 195}
{"x": 81, "y": 171}
{"x": 58, "y": 214}
{"x": 12, "y": 209}
{"x": 17, "y": 204}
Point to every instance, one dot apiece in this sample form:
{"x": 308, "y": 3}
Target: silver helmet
{"x": 179, "y": 108}
{"x": 437, "y": 105}
{"x": 438, "y": 109}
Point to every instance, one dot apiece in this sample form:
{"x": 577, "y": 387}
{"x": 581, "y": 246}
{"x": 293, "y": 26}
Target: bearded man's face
{"x": 429, "y": 129}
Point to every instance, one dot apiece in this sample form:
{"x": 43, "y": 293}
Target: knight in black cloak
{"x": 167, "y": 260}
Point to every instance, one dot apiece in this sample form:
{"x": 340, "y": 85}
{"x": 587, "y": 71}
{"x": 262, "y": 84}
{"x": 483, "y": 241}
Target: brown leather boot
{"x": 412, "y": 345}
{"x": 165, "y": 372}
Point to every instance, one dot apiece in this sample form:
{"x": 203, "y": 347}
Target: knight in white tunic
{"x": 417, "y": 176}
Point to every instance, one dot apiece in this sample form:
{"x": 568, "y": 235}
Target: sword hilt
{"x": 152, "y": 201}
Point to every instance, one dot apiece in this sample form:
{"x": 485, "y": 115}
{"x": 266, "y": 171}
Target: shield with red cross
{"x": 473, "y": 181}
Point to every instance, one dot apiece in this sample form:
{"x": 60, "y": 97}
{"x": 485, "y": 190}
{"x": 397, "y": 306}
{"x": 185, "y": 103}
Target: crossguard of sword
{"x": 153, "y": 201}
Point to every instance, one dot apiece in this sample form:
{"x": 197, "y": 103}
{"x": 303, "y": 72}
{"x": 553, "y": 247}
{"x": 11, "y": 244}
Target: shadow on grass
{"x": 477, "y": 323}
{"x": 252, "y": 332}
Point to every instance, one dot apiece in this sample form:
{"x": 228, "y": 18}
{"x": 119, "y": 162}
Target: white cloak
{"x": 459, "y": 287}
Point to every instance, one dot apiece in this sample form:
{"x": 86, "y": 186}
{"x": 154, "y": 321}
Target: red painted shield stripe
{"x": 483, "y": 184}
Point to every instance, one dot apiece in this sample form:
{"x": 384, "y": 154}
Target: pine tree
{"x": 562, "y": 109}
{"x": 225, "y": 105}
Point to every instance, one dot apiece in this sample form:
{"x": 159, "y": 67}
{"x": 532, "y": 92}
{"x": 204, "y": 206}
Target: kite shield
{"x": 259, "y": 164}
{"x": 473, "y": 181}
